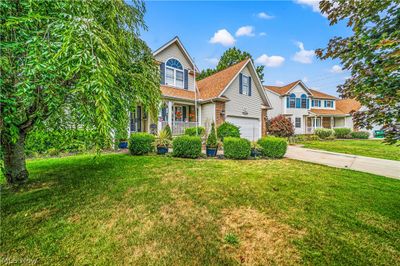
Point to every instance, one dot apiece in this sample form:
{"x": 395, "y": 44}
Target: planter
{"x": 254, "y": 152}
{"x": 211, "y": 152}
{"x": 162, "y": 150}
{"x": 123, "y": 144}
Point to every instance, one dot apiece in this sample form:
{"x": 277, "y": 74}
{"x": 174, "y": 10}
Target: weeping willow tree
{"x": 81, "y": 60}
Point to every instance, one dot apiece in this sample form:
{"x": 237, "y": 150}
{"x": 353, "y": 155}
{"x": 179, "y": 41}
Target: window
{"x": 316, "y": 103}
{"x": 245, "y": 85}
{"x": 292, "y": 101}
{"x": 329, "y": 104}
{"x": 174, "y": 73}
{"x": 298, "y": 122}
{"x": 303, "y": 101}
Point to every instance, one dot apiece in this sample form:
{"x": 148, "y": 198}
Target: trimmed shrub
{"x": 236, "y": 148}
{"x": 360, "y": 134}
{"x": 280, "y": 126}
{"x": 168, "y": 131}
{"x": 323, "y": 133}
{"x": 227, "y": 129}
{"x": 187, "y": 147}
{"x": 273, "y": 147}
{"x": 191, "y": 131}
{"x": 141, "y": 143}
{"x": 212, "y": 141}
{"x": 341, "y": 133}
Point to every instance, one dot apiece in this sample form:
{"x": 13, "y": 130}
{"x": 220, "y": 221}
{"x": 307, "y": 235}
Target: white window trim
{"x": 248, "y": 85}
{"x": 174, "y": 71}
{"x": 295, "y": 121}
{"x": 290, "y": 101}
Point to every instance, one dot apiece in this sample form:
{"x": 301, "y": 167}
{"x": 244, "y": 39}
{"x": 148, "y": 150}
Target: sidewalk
{"x": 376, "y": 166}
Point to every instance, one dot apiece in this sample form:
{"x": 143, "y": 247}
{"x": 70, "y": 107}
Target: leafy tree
{"x": 70, "y": 60}
{"x": 372, "y": 55}
{"x": 280, "y": 126}
{"x": 230, "y": 57}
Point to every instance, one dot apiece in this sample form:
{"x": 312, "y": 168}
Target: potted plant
{"x": 255, "y": 149}
{"x": 212, "y": 142}
{"x": 122, "y": 138}
{"x": 162, "y": 142}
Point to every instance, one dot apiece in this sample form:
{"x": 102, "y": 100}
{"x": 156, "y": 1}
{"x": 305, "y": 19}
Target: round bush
{"x": 236, "y": 148}
{"x": 280, "y": 126}
{"x": 141, "y": 143}
{"x": 187, "y": 147}
{"x": 360, "y": 135}
{"x": 191, "y": 131}
{"x": 273, "y": 147}
{"x": 323, "y": 133}
{"x": 227, "y": 129}
{"x": 341, "y": 133}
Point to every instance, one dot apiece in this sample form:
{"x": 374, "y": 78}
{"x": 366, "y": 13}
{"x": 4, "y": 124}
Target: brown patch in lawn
{"x": 148, "y": 251}
{"x": 41, "y": 215}
{"x": 378, "y": 221}
{"x": 261, "y": 240}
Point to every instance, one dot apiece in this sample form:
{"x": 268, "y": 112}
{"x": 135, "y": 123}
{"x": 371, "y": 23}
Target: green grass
{"x": 121, "y": 209}
{"x": 369, "y": 148}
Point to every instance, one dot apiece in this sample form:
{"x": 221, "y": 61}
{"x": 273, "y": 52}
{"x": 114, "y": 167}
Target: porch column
{"x": 315, "y": 122}
{"x": 159, "y": 123}
{"x": 332, "y": 122}
{"x": 170, "y": 114}
{"x": 198, "y": 119}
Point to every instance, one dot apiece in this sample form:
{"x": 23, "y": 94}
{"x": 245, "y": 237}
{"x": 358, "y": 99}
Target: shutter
{"x": 162, "y": 73}
{"x": 312, "y": 103}
{"x": 308, "y": 103}
{"x": 164, "y": 114}
{"x": 287, "y": 102}
{"x": 184, "y": 113}
{"x": 240, "y": 83}
{"x": 324, "y": 103}
{"x": 249, "y": 86}
{"x": 297, "y": 102}
{"x": 319, "y": 103}
{"x": 186, "y": 79}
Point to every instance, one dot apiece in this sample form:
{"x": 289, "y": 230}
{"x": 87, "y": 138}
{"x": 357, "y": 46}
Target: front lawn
{"x": 147, "y": 210}
{"x": 369, "y": 148}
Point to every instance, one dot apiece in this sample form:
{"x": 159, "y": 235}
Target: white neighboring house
{"x": 310, "y": 109}
{"x": 234, "y": 94}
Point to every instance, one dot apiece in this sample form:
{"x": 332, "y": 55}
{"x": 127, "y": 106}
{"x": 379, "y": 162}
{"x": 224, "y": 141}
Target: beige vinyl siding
{"x": 173, "y": 51}
{"x": 207, "y": 114}
{"x": 238, "y": 102}
{"x": 276, "y": 102}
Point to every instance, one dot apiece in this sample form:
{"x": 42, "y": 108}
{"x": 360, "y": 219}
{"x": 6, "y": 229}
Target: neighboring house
{"x": 235, "y": 95}
{"x": 310, "y": 109}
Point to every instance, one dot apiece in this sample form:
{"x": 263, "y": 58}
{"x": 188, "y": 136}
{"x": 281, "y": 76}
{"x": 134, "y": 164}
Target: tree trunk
{"x": 14, "y": 159}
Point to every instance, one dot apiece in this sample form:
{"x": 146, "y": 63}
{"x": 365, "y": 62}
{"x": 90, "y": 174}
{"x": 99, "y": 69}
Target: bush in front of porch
{"x": 187, "y": 147}
{"x": 324, "y": 133}
{"x": 141, "y": 143}
{"x": 195, "y": 131}
{"x": 342, "y": 133}
{"x": 236, "y": 148}
{"x": 273, "y": 147}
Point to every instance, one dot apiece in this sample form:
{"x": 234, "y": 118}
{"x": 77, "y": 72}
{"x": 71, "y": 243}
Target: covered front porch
{"x": 324, "y": 121}
{"x": 178, "y": 115}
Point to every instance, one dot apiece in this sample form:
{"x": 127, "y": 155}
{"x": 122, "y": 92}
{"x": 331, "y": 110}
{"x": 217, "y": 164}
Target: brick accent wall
{"x": 219, "y": 108}
{"x": 263, "y": 122}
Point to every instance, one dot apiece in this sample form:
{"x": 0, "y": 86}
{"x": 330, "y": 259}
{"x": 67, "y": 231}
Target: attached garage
{"x": 249, "y": 127}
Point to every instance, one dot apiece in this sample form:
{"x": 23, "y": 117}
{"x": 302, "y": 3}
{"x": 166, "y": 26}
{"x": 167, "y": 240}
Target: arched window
{"x": 303, "y": 101}
{"x": 174, "y": 73}
{"x": 292, "y": 101}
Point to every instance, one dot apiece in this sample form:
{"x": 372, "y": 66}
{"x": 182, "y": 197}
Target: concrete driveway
{"x": 376, "y": 166}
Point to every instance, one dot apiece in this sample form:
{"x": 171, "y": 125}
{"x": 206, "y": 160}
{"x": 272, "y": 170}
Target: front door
{"x": 136, "y": 120}
{"x": 316, "y": 122}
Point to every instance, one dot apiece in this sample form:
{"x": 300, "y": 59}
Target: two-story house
{"x": 309, "y": 109}
{"x": 234, "y": 94}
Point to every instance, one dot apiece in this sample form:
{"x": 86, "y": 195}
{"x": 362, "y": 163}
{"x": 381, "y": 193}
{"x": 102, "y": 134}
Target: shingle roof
{"x": 348, "y": 105}
{"x": 282, "y": 90}
{"x": 168, "y": 91}
{"x": 212, "y": 86}
{"x": 321, "y": 95}
{"x": 327, "y": 112}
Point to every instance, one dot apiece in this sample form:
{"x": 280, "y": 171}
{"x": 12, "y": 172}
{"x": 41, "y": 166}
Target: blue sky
{"x": 278, "y": 34}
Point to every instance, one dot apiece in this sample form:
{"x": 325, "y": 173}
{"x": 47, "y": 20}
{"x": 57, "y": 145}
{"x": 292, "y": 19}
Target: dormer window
{"x": 174, "y": 73}
{"x": 329, "y": 104}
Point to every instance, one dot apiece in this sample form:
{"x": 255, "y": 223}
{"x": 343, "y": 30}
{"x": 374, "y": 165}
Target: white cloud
{"x": 263, "y": 34}
{"x": 336, "y": 69}
{"x": 270, "y": 61}
{"x": 314, "y": 4}
{"x": 245, "y": 31}
{"x": 279, "y": 83}
{"x": 305, "y": 79}
{"x": 223, "y": 37}
{"x": 303, "y": 56}
{"x": 264, "y": 15}
{"x": 212, "y": 61}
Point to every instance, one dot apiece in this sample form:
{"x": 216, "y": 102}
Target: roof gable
{"x": 178, "y": 42}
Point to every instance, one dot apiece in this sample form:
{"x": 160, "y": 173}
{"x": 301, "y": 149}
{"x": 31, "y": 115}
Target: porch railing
{"x": 178, "y": 127}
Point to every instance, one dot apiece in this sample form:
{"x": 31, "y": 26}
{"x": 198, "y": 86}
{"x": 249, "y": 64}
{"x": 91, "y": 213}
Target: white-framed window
{"x": 329, "y": 104}
{"x": 303, "y": 101}
{"x": 292, "y": 101}
{"x": 316, "y": 103}
{"x": 298, "y": 122}
{"x": 245, "y": 85}
{"x": 174, "y": 73}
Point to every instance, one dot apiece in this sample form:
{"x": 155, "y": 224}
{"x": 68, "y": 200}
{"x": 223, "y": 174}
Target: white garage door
{"x": 249, "y": 127}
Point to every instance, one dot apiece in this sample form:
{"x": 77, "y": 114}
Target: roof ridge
{"x": 225, "y": 69}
